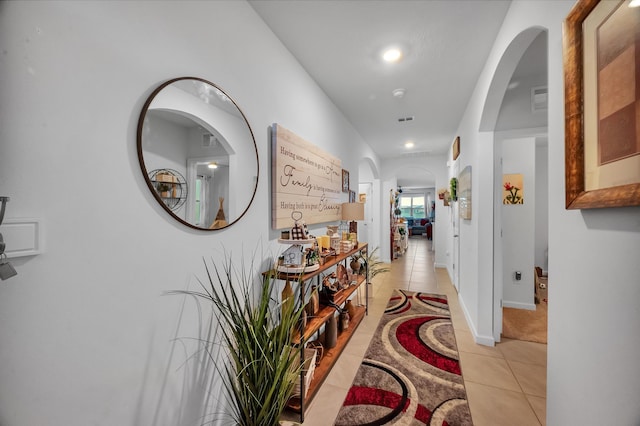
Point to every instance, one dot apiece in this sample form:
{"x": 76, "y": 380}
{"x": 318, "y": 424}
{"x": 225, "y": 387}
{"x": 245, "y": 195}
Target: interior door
{"x": 455, "y": 217}
{"x": 366, "y": 226}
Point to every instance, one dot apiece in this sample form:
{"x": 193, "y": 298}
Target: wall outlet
{"x": 517, "y": 275}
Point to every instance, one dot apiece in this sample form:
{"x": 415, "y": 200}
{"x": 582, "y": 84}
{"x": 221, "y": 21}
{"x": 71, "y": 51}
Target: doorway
{"x": 511, "y": 113}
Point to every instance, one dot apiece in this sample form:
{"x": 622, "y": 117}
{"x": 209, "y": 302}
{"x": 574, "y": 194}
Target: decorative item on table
{"x": 352, "y": 212}
{"x": 332, "y": 229}
{"x": 342, "y": 277}
{"x": 324, "y": 246}
{"x": 287, "y": 299}
{"x": 299, "y": 230}
{"x": 313, "y": 306}
{"x": 355, "y": 265}
{"x": 346, "y": 246}
{"x": 329, "y": 290}
{"x": 285, "y": 235}
{"x": 292, "y": 256}
{"x": 324, "y": 242}
{"x": 317, "y": 346}
{"x": 312, "y": 257}
{"x": 335, "y": 243}
{"x": 344, "y": 320}
{"x": 308, "y": 369}
{"x": 331, "y": 332}
{"x": 350, "y": 308}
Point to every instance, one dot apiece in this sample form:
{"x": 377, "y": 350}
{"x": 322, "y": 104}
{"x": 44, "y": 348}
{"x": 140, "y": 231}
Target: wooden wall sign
{"x": 305, "y": 179}
{"x": 456, "y": 148}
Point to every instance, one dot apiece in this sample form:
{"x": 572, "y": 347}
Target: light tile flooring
{"x": 506, "y": 384}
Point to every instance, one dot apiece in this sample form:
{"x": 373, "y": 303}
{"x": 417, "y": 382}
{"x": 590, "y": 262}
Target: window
{"x": 412, "y": 206}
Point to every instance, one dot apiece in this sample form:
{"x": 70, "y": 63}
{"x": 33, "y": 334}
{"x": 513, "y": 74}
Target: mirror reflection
{"x": 198, "y": 153}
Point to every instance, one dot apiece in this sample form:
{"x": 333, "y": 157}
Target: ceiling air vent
{"x": 404, "y": 119}
{"x": 539, "y": 98}
{"x": 208, "y": 140}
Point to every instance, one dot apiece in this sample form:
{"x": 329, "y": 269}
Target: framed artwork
{"x": 304, "y": 178}
{"x": 512, "y": 188}
{"x": 464, "y": 193}
{"x": 362, "y": 198}
{"x": 352, "y": 196}
{"x": 456, "y": 148}
{"x": 602, "y": 128}
{"x": 345, "y": 180}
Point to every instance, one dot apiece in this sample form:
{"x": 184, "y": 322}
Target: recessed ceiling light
{"x": 634, "y": 3}
{"x": 392, "y": 55}
{"x": 409, "y": 144}
{"x": 398, "y": 93}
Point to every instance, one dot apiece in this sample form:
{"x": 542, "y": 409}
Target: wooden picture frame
{"x": 464, "y": 193}
{"x": 456, "y": 148}
{"x": 345, "y": 180}
{"x": 585, "y": 75}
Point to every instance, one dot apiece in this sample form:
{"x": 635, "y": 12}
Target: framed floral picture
{"x": 512, "y": 189}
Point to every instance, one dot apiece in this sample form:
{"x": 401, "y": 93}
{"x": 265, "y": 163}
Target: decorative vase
{"x": 287, "y": 295}
{"x": 313, "y": 306}
{"x": 350, "y": 308}
{"x": 355, "y": 266}
{"x": 344, "y": 320}
{"x": 331, "y": 332}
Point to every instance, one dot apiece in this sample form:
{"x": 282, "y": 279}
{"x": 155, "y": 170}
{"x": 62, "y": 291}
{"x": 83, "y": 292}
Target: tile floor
{"x": 506, "y": 384}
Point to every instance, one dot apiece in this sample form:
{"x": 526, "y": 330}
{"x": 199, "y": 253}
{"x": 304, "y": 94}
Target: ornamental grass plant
{"x": 255, "y": 332}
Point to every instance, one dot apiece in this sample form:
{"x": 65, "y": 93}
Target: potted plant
{"x": 372, "y": 261}
{"x": 255, "y": 330}
{"x": 453, "y": 186}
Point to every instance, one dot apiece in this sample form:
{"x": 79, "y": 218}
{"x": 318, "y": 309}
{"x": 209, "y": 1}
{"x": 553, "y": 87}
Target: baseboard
{"x": 519, "y": 305}
{"x": 486, "y": 340}
{"x": 440, "y": 265}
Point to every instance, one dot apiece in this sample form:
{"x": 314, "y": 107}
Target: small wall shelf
{"x": 170, "y": 186}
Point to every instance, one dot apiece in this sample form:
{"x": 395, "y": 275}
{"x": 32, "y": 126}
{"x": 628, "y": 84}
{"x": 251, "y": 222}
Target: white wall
{"x": 86, "y": 329}
{"x": 593, "y": 376}
{"x": 518, "y": 225}
{"x": 542, "y": 205}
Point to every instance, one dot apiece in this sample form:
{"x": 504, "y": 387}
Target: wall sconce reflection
{"x": 6, "y": 269}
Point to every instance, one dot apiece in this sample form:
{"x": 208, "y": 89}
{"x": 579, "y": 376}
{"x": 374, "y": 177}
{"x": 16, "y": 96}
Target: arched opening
{"x": 515, "y": 111}
{"x": 369, "y": 193}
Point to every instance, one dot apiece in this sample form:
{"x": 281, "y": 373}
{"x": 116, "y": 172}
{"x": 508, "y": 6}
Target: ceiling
{"x": 339, "y": 43}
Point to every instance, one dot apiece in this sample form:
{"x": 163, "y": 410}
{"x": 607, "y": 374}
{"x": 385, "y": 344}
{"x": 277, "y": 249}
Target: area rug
{"x": 523, "y": 324}
{"x": 410, "y": 374}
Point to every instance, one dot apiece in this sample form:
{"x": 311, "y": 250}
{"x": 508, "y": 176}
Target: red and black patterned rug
{"x": 410, "y": 374}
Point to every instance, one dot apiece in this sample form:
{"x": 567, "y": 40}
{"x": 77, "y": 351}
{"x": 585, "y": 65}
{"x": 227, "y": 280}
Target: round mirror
{"x": 197, "y": 153}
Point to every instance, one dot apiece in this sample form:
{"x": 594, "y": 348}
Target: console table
{"x": 315, "y": 324}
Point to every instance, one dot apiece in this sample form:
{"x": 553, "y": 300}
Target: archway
{"x": 369, "y": 192}
{"x": 503, "y": 80}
